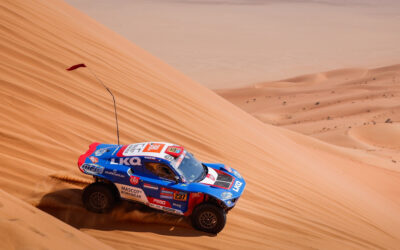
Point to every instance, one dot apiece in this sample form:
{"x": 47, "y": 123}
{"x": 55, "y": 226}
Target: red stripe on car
{"x": 121, "y": 151}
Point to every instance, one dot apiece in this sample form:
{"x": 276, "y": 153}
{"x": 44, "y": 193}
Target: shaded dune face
{"x": 300, "y": 192}
{"x": 381, "y": 135}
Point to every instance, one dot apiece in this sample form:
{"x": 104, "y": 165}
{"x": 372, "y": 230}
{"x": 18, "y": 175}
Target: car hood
{"x": 221, "y": 182}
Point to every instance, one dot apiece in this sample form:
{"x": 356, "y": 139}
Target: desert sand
{"x": 301, "y": 192}
{"x": 26, "y": 227}
{"x": 231, "y": 43}
{"x": 355, "y": 108}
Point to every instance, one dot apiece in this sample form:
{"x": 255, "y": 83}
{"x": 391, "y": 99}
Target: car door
{"x": 162, "y": 190}
{"x": 129, "y": 186}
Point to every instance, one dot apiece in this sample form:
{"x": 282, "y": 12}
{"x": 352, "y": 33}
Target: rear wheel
{"x": 98, "y": 197}
{"x": 208, "y": 218}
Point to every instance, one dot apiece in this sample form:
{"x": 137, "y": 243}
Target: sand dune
{"x": 355, "y": 108}
{"x": 380, "y": 135}
{"x": 25, "y": 227}
{"x": 301, "y": 193}
{"x": 230, "y": 43}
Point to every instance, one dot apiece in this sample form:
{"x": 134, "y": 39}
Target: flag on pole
{"x": 76, "y": 66}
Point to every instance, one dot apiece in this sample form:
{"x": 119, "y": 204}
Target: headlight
{"x": 226, "y": 195}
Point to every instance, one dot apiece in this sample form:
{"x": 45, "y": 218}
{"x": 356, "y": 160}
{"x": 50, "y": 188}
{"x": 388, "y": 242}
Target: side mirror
{"x": 176, "y": 179}
{"x": 130, "y": 171}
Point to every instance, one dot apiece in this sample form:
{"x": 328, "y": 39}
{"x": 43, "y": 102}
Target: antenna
{"x": 101, "y": 82}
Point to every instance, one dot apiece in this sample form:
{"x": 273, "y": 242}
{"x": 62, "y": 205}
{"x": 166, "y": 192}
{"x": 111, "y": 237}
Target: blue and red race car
{"x": 163, "y": 176}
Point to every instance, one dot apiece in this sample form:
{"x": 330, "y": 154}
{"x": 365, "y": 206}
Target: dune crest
{"x": 380, "y": 135}
{"x": 296, "y": 197}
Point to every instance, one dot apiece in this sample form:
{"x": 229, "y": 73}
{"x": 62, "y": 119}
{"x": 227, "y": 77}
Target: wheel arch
{"x": 202, "y": 199}
{"x": 215, "y": 201}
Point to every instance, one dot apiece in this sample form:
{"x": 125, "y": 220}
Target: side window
{"x": 160, "y": 170}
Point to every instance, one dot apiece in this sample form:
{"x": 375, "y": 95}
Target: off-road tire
{"x": 99, "y": 197}
{"x": 208, "y": 218}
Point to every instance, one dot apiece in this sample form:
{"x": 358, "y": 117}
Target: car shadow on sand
{"x": 67, "y": 206}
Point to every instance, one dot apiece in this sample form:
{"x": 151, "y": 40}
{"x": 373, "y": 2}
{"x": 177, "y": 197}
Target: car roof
{"x": 150, "y": 149}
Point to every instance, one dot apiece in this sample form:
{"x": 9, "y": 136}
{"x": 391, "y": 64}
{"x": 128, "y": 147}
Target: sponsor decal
{"x": 134, "y": 180}
{"x": 92, "y": 169}
{"x": 167, "y": 193}
{"x": 149, "y": 186}
{"x": 169, "y": 197}
{"x": 176, "y": 205}
{"x": 128, "y": 161}
{"x": 174, "y": 151}
{"x": 153, "y": 147}
{"x": 94, "y": 159}
{"x": 169, "y": 157}
{"x": 101, "y": 151}
{"x": 171, "y": 210}
{"x": 159, "y": 202}
{"x": 180, "y": 196}
{"x": 226, "y": 195}
{"x": 114, "y": 173}
{"x": 133, "y": 149}
{"x": 166, "y": 190}
{"x": 133, "y": 193}
{"x": 237, "y": 186}
{"x": 162, "y": 205}
{"x": 211, "y": 177}
{"x": 155, "y": 206}
{"x": 173, "y": 194}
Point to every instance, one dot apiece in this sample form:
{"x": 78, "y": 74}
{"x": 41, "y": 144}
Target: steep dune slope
{"x": 300, "y": 193}
{"x": 24, "y": 226}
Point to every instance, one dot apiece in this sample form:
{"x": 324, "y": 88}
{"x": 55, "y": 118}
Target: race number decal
{"x": 180, "y": 196}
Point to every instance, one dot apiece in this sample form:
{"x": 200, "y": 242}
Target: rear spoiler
{"x": 92, "y": 148}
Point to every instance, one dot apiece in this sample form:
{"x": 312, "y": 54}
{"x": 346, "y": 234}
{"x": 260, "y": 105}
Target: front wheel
{"x": 98, "y": 197}
{"x": 208, "y": 218}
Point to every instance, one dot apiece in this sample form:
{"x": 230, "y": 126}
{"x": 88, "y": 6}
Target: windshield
{"x": 190, "y": 168}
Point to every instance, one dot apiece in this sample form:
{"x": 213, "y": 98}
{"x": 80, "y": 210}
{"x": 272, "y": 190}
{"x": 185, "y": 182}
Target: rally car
{"x": 163, "y": 176}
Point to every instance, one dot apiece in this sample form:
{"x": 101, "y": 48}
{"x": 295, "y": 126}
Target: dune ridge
{"x": 296, "y": 197}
